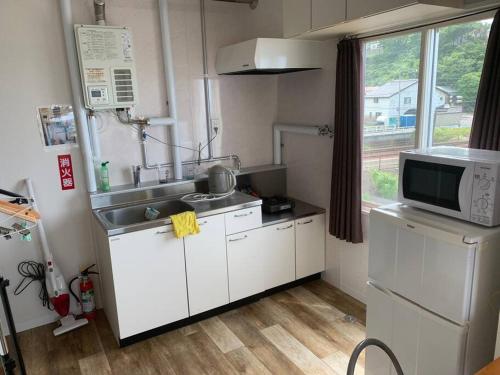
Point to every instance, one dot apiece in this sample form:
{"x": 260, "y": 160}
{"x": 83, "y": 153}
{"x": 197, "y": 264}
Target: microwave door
{"x": 439, "y": 186}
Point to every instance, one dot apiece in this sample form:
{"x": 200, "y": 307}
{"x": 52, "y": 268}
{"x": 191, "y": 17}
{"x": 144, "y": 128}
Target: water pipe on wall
{"x": 318, "y": 130}
{"x": 171, "y": 121}
{"x": 76, "y": 90}
{"x": 170, "y": 81}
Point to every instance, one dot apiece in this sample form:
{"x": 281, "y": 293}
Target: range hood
{"x": 269, "y": 56}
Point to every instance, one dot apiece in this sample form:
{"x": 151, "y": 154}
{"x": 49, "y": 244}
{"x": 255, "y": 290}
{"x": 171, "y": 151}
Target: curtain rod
{"x": 420, "y": 26}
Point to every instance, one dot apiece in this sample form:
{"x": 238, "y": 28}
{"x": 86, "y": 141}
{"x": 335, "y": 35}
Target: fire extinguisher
{"x": 86, "y": 299}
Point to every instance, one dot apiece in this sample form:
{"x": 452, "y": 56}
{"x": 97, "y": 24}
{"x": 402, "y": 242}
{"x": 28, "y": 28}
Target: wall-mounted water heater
{"x": 107, "y": 66}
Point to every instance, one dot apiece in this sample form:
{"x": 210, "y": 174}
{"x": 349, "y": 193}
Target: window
{"x": 391, "y": 70}
{"x": 439, "y": 101}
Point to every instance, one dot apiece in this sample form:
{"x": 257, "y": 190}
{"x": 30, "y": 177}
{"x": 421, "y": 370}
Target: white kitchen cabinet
{"x": 278, "y": 261}
{"x": 245, "y": 264}
{"x": 149, "y": 279}
{"x": 206, "y": 266}
{"x": 362, "y": 8}
{"x": 296, "y": 17}
{"x": 327, "y": 13}
{"x": 310, "y": 245}
{"x": 243, "y": 220}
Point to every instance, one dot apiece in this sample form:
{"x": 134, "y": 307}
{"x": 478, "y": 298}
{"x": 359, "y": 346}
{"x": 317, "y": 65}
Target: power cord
{"x": 33, "y": 271}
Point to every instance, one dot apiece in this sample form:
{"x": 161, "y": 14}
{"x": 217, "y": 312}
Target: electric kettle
{"x": 221, "y": 180}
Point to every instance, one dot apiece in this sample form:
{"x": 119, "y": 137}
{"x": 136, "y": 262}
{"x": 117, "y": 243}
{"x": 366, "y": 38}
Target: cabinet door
{"x": 245, "y": 264}
{"x": 279, "y": 254}
{"x": 206, "y": 266}
{"x": 362, "y": 8}
{"x": 327, "y": 13}
{"x": 296, "y": 17}
{"x": 310, "y": 245}
{"x": 149, "y": 279}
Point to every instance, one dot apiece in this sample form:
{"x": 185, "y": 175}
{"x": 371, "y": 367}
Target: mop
{"x": 56, "y": 285}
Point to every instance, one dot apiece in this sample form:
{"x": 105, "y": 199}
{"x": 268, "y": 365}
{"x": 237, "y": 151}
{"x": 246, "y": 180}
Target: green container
{"x": 105, "y": 176}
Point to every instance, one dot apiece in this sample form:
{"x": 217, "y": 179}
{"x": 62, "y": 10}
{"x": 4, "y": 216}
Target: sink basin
{"x": 135, "y": 214}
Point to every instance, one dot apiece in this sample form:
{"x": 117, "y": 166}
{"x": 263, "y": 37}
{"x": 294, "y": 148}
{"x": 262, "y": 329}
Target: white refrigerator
{"x": 433, "y": 292}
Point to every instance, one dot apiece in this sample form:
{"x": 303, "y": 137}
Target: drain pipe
{"x": 323, "y": 130}
{"x": 99, "y": 11}
{"x": 76, "y": 90}
{"x": 170, "y": 78}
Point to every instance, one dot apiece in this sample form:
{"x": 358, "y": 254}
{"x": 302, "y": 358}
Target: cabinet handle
{"x": 163, "y": 231}
{"x": 115, "y": 239}
{"x": 284, "y": 228}
{"x": 243, "y": 215}
{"x": 238, "y": 239}
{"x": 306, "y": 222}
{"x": 203, "y": 223}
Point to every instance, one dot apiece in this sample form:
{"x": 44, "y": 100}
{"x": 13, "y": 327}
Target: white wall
{"x": 308, "y": 98}
{"x": 33, "y": 72}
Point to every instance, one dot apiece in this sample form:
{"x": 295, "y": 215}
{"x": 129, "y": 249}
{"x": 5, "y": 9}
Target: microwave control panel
{"x": 484, "y": 191}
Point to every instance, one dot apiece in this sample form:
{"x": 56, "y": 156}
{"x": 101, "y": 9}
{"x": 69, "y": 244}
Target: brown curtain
{"x": 485, "y": 132}
{"x": 345, "y": 199}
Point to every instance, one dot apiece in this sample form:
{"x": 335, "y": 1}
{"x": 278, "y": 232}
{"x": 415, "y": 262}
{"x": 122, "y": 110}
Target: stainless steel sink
{"x": 135, "y": 214}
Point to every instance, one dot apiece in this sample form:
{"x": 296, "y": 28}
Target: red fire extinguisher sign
{"x": 66, "y": 172}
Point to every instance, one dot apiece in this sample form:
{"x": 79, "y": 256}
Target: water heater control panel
{"x": 107, "y": 66}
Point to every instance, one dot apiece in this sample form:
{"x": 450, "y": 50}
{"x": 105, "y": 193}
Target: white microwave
{"x": 453, "y": 181}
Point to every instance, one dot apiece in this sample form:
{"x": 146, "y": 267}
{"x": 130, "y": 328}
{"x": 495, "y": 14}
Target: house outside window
{"x": 396, "y": 86}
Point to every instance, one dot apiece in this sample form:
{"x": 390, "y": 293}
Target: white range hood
{"x": 269, "y": 56}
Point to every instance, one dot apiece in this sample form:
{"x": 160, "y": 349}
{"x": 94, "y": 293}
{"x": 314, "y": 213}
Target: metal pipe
{"x": 367, "y": 342}
{"x": 148, "y": 165}
{"x": 160, "y": 121}
{"x": 100, "y": 12}
{"x": 94, "y": 138}
{"x": 253, "y": 3}
{"x": 319, "y": 130}
{"x": 11, "y": 326}
{"x": 170, "y": 81}
{"x": 76, "y": 90}
{"x": 206, "y": 82}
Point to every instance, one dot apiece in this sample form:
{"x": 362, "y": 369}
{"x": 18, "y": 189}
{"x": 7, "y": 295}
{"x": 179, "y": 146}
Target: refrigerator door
{"x": 421, "y": 264}
{"x": 424, "y": 343}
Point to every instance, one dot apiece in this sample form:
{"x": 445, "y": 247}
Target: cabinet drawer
{"x": 243, "y": 220}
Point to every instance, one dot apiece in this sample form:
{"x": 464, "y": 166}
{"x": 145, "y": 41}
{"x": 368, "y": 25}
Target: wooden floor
{"x": 299, "y": 331}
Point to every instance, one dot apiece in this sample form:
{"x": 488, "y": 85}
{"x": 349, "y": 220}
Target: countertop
{"x": 492, "y": 369}
{"x": 301, "y": 209}
{"x": 236, "y": 201}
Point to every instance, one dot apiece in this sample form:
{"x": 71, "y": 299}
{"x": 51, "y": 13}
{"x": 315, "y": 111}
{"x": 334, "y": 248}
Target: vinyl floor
{"x": 299, "y": 331}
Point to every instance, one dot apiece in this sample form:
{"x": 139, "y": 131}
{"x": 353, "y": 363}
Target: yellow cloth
{"x": 185, "y": 223}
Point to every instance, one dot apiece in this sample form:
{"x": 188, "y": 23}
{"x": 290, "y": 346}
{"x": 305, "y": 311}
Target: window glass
{"x": 461, "y": 50}
{"x": 390, "y": 109}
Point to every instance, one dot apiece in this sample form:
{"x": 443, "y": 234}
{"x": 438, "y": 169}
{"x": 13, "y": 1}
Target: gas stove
{"x": 272, "y": 205}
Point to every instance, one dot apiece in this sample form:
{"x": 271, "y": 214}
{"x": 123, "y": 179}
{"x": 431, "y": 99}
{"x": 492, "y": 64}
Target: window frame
{"x": 429, "y": 50}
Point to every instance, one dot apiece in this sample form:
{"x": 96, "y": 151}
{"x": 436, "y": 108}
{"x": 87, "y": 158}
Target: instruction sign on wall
{"x": 66, "y": 172}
